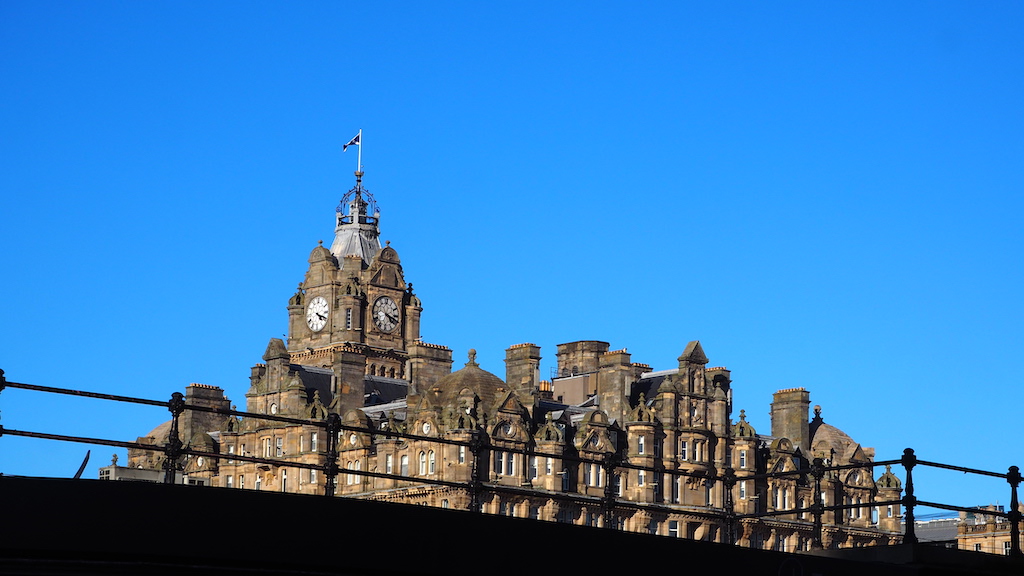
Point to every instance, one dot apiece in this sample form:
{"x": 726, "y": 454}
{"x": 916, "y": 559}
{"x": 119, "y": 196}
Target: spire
{"x": 357, "y": 231}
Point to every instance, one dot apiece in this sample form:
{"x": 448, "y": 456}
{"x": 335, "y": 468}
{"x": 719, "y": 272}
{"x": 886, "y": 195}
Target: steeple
{"x": 357, "y": 230}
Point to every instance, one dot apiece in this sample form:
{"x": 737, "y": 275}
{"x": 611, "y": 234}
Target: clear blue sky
{"x": 826, "y": 195}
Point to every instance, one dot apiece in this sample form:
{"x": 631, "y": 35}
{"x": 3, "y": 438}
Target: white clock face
{"x": 385, "y": 314}
{"x": 316, "y": 314}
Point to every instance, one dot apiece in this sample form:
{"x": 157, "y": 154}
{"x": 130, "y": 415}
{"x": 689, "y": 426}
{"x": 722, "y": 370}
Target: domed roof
{"x": 835, "y": 438}
{"x": 485, "y": 385}
{"x": 160, "y": 433}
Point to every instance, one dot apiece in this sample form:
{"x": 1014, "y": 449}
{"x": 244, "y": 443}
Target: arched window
{"x": 423, "y": 463}
{"x": 431, "y": 462}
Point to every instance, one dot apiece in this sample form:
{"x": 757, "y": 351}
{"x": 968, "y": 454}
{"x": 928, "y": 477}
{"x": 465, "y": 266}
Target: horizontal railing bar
{"x": 77, "y": 439}
{"x": 82, "y": 393}
{"x": 963, "y": 509}
{"x": 962, "y": 469}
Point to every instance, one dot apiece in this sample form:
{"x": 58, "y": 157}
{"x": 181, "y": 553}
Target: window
{"x": 1006, "y": 548}
{"x": 242, "y": 451}
{"x": 423, "y": 463}
{"x": 676, "y": 485}
{"x": 743, "y": 458}
{"x": 657, "y": 448}
{"x": 280, "y": 447}
{"x": 403, "y": 465}
{"x": 640, "y": 445}
{"x": 977, "y": 547}
{"x": 348, "y": 319}
{"x": 312, "y": 476}
{"x": 510, "y": 463}
{"x": 302, "y": 443}
{"x": 462, "y": 454}
{"x": 673, "y": 528}
{"x": 619, "y": 484}
{"x": 389, "y": 464}
{"x": 431, "y": 462}
{"x": 533, "y": 468}
{"x": 349, "y": 478}
{"x": 785, "y": 499}
{"x": 241, "y": 481}
{"x": 444, "y": 503}
{"x": 358, "y": 465}
{"x": 684, "y": 453}
{"x": 860, "y": 509}
{"x": 534, "y": 513}
{"x": 888, "y": 511}
{"x": 259, "y": 482}
{"x": 640, "y": 478}
{"x": 743, "y": 489}
{"x": 874, "y": 515}
{"x": 550, "y": 466}
{"x": 313, "y": 442}
{"x": 231, "y": 450}
{"x": 266, "y": 447}
{"x": 230, "y": 483}
{"x": 284, "y": 480}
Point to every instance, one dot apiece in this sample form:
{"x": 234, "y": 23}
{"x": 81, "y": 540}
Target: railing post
{"x": 609, "y": 464}
{"x": 331, "y": 465}
{"x": 1013, "y": 477}
{"x": 818, "y": 508}
{"x": 728, "y": 482}
{"x": 475, "y": 483}
{"x": 173, "y": 448}
{"x": 909, "y": 460}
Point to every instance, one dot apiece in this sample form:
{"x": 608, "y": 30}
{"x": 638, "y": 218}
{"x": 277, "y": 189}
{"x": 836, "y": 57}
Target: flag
{"x": 352, "y": 142}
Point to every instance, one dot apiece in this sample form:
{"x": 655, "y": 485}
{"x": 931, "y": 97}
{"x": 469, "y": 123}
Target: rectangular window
{"x": 657, "y": 448}
{"x": 241, "y": 450}
{"x": 313, "y": 442}
{"x": 499, "y": 462}
{"x": 1006, "y": 548}
{"x": 743, "y": 458}
{"x": 673, "y": 528}
{"x": 462, "y": 454}
{"x": 259, "y": 482}
{"x": 389, "y": 464}
{"x": 640, "y": 478}
{"x": 230, "y": 483}
{"x": 640, "y": 445}
{"x": 280, "y": 447}
{"x": 302, "y": 443}
{"x": 533, "y": 467}
{"x": 888, "y": 511}
{"x": 676, "y": 489}
{"x": 312, "y": 476}
{"x": 403, "y": 466}
{"x": 284, "y": 480}
{"x": 348, "y": 319}
{"x": 743, "y": 489}
{"x": 266, "y": 447}
{"x": 510, "y": 464}
{"x": 550, "y": 467}
{"x": 231, "y": 450}
{"x": 977, "y": 547}
{"x": 684, "y": 453}
{"x": 241, "y": 481}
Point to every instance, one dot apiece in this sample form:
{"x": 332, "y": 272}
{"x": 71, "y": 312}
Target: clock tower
{"x": 354, "y": 311}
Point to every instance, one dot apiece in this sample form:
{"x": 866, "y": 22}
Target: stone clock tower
{"x": 354, "y": 312}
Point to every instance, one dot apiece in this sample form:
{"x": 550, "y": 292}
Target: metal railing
{"x": 610, "y": 463}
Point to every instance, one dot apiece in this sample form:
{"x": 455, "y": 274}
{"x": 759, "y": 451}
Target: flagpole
{"x": 359, "y": 156}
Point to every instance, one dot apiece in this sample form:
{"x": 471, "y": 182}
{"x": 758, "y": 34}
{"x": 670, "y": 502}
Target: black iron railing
{"x": 610, "y": 463}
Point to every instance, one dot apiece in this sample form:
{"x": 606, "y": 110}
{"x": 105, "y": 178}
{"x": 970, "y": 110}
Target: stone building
{"x": 981, "y": 532}
{"x": 607, "y": 440}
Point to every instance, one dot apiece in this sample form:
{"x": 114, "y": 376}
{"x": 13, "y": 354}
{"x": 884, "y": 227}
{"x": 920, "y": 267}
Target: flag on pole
{"x": 353, "y": 142}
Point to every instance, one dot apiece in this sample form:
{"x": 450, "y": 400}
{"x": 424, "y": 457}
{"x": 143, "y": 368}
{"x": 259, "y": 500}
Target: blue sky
{"x": 826, "y": 195}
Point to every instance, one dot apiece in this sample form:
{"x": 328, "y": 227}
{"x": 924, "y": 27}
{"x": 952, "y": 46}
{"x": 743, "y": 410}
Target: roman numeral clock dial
{"x": 316, "y": 314}
{"x": 385, "y": 314}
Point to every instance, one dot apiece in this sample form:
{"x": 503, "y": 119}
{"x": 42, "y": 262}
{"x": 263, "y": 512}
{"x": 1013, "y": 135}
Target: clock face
{"x": 385, "y": 314}
{"x": 316, "y": 314}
